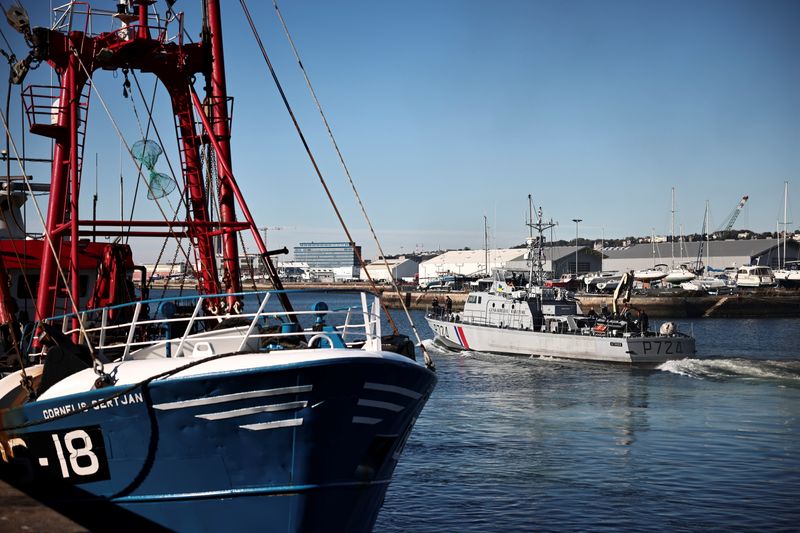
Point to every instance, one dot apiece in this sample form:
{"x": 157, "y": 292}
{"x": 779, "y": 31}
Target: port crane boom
{"x": 731, "y": 218}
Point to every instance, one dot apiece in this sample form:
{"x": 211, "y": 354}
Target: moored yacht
{"x": 754, "y": 277}
{"x": 649, "y": 275}
{"x": 789, "y": 275}
{"x": 679, "y": 275}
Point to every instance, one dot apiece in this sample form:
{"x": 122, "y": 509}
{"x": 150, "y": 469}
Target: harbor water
{"x": 520, "y": 444}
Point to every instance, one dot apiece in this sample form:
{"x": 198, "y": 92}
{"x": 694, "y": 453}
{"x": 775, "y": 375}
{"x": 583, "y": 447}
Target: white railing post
{"x": 197, "y": 307}
{"x": 346, "y": 325}
{"x": 103, "y": 324}
{"x": 254, "y": 322}
{"x": 133, "y": 329}
{"x": 81, "y": 336}
{"x": 376, "y": 312}
{"x": 365, "y": 312}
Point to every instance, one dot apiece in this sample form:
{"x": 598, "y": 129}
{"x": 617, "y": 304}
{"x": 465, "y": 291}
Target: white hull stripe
{"x": 274, "y": 425}
{"x": 234, "y": 397}
{"x": 253, "y": 410}
{"x": 366, "y": 420}
{"x": 393, "y": 388}
{"x": 380, "y": 405}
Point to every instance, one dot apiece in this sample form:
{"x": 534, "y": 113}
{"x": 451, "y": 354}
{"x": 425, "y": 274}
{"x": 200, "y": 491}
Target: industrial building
{"x": 329, "y": 261}
{"x": 400, "y": 269}
{"x": 716, "y": 254}
{"x": 557, "y": 260}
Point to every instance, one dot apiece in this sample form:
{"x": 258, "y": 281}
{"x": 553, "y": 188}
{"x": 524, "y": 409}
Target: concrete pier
{"x": 768, "y": 304}
{"x": 751, "y": 305}
{"x": 20, "y": 512}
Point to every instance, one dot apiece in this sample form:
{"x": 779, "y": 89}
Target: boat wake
{"x": 435, "y": 347}
{"x": 786, "y": 372}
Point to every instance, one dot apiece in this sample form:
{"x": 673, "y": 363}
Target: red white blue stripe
{"x": 461, "y": 337}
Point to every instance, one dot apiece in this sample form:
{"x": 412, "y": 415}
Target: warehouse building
{"x": 721, "y": 254}
{"x": 400, "y": 269}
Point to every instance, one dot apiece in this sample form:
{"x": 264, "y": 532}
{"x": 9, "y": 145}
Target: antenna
{"x": 536, "y": 244}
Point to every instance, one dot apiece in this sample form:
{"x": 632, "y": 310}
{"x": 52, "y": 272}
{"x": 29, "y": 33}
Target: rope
{"x": 313, "y": 160}
{"x": 428, "y": 360}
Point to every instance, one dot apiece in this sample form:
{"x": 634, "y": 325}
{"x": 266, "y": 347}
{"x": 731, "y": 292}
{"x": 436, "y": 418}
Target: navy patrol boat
{"x": 528, "y": 319}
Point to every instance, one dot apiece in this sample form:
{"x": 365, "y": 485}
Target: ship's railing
{"x": 82, "y": 17}
{"x": 121, "y": 330}
{"x": 209, "y": 104}
{"x": 44, "y": 104}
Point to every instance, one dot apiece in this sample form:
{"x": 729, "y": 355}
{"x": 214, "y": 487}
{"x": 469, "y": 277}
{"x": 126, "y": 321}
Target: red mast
{"x": 229, "y": 191}
{"x": 75, "y": 56}
{"x": 218, "y": 105}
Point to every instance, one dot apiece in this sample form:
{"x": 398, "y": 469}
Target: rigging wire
{"x": 145, "y": 133}
{"x": 3, "y": 34}
{"x": 97, "y": 365}
{"x": 128, "y": 149}
{"x": 313, "y": 160}
{"x": 182, "y": 202}
{"x": 349, "y": 177}
{"x": 12, "y": 330}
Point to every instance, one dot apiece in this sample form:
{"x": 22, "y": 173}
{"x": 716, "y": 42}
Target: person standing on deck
{"x": 644, "y": 321}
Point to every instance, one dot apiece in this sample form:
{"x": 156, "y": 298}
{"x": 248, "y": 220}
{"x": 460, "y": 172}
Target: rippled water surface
{"x": 516, "y": 444}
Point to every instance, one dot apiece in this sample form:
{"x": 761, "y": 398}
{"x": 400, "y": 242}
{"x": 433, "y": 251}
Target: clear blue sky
{"x": 447, "y": 111}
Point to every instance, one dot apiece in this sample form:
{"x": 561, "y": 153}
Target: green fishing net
{"x": 147, "y": 153}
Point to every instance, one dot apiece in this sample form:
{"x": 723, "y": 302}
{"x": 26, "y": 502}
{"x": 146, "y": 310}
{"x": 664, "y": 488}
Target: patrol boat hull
{"x": 642, "y": 350}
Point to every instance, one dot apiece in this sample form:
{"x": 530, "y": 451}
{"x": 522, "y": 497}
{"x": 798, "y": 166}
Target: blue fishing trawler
{"x": 224, "y": 409}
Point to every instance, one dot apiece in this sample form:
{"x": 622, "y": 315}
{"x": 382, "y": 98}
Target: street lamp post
{"x": 576, "y": 221}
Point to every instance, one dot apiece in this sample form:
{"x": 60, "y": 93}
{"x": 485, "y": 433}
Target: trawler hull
{"x": 251, "y": 442}
{"x": 646, "y": 350}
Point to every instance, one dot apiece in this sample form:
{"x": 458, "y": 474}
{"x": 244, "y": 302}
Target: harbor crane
{"x": 731, "y": 218}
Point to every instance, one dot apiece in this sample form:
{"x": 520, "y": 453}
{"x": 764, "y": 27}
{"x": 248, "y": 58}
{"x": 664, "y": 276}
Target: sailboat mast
{"x": 785, "y": 200}
{"x": 708, "y": 242}
{"x": 672, "y": 231}
{"x": 485, "y": 246}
